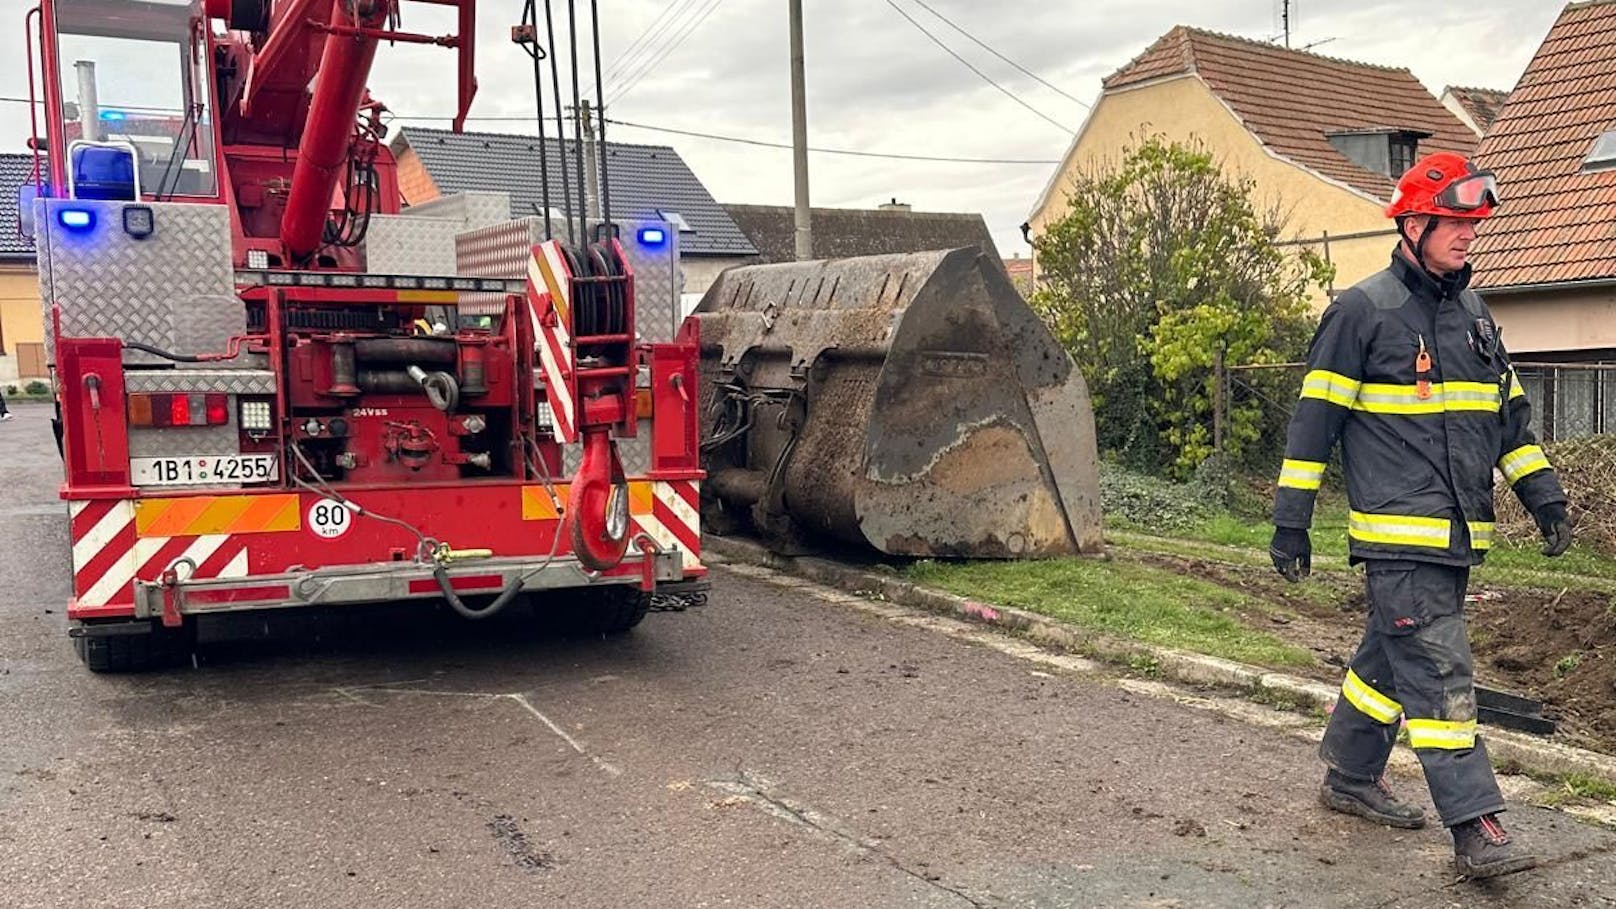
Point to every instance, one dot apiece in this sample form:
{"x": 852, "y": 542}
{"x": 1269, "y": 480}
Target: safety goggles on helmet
{"x": 1477, "y": 190}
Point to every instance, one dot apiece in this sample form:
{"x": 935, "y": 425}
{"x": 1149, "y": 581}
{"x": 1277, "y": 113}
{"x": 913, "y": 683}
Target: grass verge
{"x": 1244, "y": 541}
{"x": 1120, "y": 598}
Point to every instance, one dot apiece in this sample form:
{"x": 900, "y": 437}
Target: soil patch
{"x": 1554, "y": 646}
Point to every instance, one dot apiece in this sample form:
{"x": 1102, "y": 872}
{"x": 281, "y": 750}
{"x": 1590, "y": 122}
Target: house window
{"x": 1380, "y": 151}
{"x": 1603, "y": 155}
{"x": 1401, "y": 152}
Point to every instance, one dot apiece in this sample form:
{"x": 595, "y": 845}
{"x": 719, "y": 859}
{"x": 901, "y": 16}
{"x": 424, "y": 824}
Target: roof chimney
{"x": 895, "y": 205}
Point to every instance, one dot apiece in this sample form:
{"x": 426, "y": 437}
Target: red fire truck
{"x": 262, "y": 406}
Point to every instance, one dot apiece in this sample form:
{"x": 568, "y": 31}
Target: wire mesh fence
{"x": 1573, "y": 415}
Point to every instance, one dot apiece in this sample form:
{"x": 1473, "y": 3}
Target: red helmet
{"x": 1445, "y": 184}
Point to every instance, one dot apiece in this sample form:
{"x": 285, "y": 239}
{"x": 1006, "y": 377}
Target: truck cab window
{"x": 131, "y": 76}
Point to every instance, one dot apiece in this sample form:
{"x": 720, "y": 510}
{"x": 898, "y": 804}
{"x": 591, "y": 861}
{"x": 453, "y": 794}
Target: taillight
{"x": 179, "y": 409}
{"x": 140, "y": 410}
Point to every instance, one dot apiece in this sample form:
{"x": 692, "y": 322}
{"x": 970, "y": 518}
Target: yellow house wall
{"x": 1182, "y": 109}
{"x": 1556, "y": 321}
{"x": 20, "y": 321}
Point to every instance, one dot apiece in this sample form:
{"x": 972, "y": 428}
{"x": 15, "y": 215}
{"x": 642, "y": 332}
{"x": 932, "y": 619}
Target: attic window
{"x": 1383, "y": 150}
{"x": 1402, "y": 150}
{"x": 677, "y": 220}
{"x": 1603, "y": 154}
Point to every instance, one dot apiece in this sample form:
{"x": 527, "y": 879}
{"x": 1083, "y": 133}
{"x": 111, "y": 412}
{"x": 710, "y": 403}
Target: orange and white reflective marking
{"x": 670, "y": 515}
{"x": 547, "y": 291}
{"x": 117, "y": 541}
{"x": 666, "y": 511}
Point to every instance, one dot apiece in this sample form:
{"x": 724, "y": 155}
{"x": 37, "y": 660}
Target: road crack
{"x": 751, "y": 788}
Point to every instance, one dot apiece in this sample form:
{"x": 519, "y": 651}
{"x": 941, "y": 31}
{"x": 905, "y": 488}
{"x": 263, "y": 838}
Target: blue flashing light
{"x": 114, "y": 115}
{"x": 76, "y": 218}
{"x": 653, "y": 236}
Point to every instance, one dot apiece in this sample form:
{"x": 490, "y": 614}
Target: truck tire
{"x": 162, "y": 648}
{"x": 593, "y": 611}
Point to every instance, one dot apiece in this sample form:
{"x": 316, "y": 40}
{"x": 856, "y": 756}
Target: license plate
{"x": 198, "y": 470}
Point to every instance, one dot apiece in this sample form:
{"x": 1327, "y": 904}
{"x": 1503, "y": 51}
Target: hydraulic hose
{"x": 512, "y": 588}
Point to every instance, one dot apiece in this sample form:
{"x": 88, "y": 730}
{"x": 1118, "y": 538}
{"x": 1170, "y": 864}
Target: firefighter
{"x": 1407, "y": 371}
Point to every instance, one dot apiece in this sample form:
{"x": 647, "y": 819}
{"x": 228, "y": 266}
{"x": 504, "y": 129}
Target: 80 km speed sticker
{"x": 329, "y": 519}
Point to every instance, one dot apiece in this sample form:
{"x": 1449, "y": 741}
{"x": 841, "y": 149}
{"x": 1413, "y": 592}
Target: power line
{"x": 720, "y": 138}
{"x": 827, "y": 151}
{"x": 765, "y": 144}
{"x": 979, "y": 43}
{"x": 641, "y": 42}
{"x": 983, "y": 76}
{"x": 651, "y": 61}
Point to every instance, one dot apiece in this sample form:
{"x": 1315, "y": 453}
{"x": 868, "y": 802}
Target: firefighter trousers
{"x": 1414, "y": 663}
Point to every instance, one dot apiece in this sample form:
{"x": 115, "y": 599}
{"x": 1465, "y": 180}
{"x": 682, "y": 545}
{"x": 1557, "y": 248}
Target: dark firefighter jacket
{"x": 1419, "y": 440}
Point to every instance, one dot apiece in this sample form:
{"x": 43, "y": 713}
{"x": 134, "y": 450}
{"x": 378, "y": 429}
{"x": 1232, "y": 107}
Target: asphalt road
{"x": 777, "y": 748}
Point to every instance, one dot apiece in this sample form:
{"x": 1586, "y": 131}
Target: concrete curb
{"x": 1531, "y": 754}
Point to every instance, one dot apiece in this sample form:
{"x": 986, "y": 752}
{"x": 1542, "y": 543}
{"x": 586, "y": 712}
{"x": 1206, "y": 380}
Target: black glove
{"x": 1555, "y": 522}
{"x": 1292, "y": 551}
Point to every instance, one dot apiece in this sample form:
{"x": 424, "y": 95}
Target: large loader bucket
{"x": 912, "y": 403}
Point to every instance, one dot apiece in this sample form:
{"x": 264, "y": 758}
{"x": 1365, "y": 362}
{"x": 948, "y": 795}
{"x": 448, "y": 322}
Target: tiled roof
{"x": 643, "y": 178}
{"x": 842, "y": 232}
{"x": 1482, "y": 104}
{"x": 1290, "y": 99}
{"x": 15, "y": 170}
{"x": 1555, "y": 224}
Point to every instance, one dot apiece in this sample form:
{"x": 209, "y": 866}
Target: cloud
{"x": 876, "y": 83}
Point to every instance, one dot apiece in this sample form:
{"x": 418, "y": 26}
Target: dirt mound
{"x": 1558, "y": 647}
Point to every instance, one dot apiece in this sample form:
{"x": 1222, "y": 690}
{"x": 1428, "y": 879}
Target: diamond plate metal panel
{"x": 472, "y": 209}
{"x": 656, "y": 280}
{"x": 183, "y": 441}
{"x": 635, "y": 452}
{"x": 502, "y": 250}
{"x": 174, "y": 289}
{"x": 230, "y": 381}
{"x": 495, "y": 251}
{"x": 408, "y": 245}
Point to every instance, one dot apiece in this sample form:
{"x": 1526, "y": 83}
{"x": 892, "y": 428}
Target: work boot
{"x": 1481, "y": 848}
{"x": 1372, "y": 799}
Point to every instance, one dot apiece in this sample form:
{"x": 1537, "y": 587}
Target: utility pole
{"x": 591, "y": 163}
{"x": 799, "y": 136}
{"x": 1285, "y": 15}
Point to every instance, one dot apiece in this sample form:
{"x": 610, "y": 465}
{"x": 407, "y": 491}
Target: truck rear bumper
{"x": 387, "y": 582}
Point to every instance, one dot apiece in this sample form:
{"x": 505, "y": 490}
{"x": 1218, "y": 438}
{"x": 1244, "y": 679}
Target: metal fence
{"x": 1570, "y": 401}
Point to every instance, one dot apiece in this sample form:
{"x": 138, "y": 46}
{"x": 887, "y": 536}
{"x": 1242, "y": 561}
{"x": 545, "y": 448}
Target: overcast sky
{"x": 877, "y": 84}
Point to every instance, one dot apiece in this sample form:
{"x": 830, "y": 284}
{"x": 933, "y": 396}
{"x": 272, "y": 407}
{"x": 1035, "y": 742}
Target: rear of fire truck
{"x": 254, "y": 418}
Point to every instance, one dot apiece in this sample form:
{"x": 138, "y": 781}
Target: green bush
{"x": 37, "y": 387}
{"x": 1137, "y": 500}
{"x": 11, "y": 391}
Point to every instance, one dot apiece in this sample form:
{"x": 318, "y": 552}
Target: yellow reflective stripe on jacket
{"x": 1380, "y": 397}
{"x": 1515, "y": 389}
{"x": 1372, "y": 703}
{"x": 1323, "y": 385}
{"x": 1481, "y": 534}
{"x": 1451, "y": 735}
{"x": 1398, "y": 530}
{"x": 1301, "y": 474}
{"x": 1522, "y": 462}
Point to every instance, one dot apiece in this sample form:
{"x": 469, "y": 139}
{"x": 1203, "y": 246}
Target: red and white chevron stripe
{"x": 108, "y": 555}
{"x": 549, "y": 306}
{"x": 674, "y": 520}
